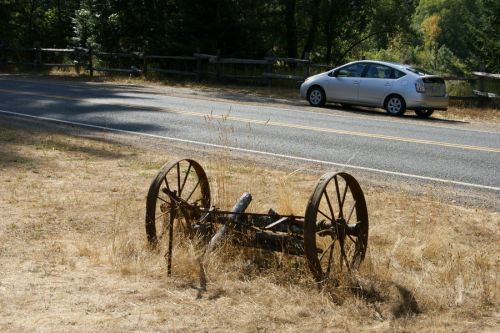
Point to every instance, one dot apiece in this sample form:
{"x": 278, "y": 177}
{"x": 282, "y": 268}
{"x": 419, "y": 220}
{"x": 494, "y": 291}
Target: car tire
{"x": 316, "y": 96}
{"x": 424, "y": 113}
{"x": 395, "y": 105}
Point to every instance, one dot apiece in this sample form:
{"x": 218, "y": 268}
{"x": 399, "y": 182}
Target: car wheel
{"x": 316, "y": 96}
{"x": 424, "y": 113}
{"x": 395, "y": 105}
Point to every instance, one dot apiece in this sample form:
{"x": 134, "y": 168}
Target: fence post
{"x": 308, "y": 64}
{"x": 38, "y": 56}
{"x": 269, "y": 67}
{"x": 3, "y": 55}
{"x": 77, "y": 56}
{"x": 482, "y": 85}
{"x": 482, "y": 69}
{"x": 145, "y": 64}
{"x": 91, "y": 66}
{"x": 198, "y": 65}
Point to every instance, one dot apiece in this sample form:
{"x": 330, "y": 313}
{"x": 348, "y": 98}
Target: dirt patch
{"x": 74, "y": 256}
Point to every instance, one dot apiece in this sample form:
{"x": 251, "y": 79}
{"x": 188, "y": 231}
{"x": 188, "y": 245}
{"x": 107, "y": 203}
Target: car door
{"x": 343, "y": 83}
{"x": 375, "y": 84}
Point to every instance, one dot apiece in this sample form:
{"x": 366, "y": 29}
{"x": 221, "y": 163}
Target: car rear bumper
{"x": 422, "y": 101}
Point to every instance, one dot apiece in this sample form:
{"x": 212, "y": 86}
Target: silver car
{"x": 394, "y": 87}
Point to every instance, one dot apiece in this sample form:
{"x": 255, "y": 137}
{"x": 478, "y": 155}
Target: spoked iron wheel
{"x": 177, "y": 183}
{"x": 336, "y": 226}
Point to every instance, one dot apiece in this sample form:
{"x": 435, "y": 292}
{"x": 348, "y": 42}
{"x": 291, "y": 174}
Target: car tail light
{"x": 419, "y": 86}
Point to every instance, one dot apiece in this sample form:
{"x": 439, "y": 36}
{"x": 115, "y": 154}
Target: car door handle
{"x": 355, "y": 82}
{"x": 388, "y": 84}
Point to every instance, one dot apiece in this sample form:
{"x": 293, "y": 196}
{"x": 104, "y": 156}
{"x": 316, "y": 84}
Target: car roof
{"x": 388, "y": 63}
{"x": 406, "y": 68}
{"x": 400, "y": 66}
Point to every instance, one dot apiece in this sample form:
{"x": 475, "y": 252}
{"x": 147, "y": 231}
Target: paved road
{"x": 438, "y": 151}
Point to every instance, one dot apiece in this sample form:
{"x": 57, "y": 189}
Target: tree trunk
{"x": 30, "y": 21}
{"x": 328, "y": 30}
{"x": 291, "y": 28}
{"x": 313, "y": 29}
{"x": 60, "y": 28}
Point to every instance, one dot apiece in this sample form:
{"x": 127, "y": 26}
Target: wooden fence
{"x": 198, "y": 66}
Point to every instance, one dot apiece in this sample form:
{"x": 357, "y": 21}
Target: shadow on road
{"x": 62, "y": 102}
{"x": 365, "y": 111}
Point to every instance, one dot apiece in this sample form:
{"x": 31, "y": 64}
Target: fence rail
{"x": 198, "y": 65}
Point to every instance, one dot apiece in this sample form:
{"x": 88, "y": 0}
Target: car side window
{"x": 354, "y": 70}
{"x": 398, "y": 74}
{"x": 377, "y": 71}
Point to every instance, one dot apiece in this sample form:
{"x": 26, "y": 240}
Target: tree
{"x": 449, "y": 35}
{"x": 468, "y": 29}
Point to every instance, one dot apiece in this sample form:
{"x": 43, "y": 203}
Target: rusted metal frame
{"x": 338, "y": 229}
{"x": 178, "y": 167}
{"x": 223, "y": 216}
{"x": 170, "y": 241}
{"x": 328, "y": 227}
{"x": 222, "y": 212}
{"x": 215, "y": 211}
{"x": 254, "y": 219}
{"x": 342, "y": 254}
{"x": 329, "y": 206}
{"x": 185, "y": 179}
{"x": 294, "y": 225}
{"x": 330, "y": 257}
{"x": 292, "y": 244}
{"x": 289, "y": 234}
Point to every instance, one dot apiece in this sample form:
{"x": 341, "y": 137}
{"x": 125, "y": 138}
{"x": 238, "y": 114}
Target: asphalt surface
{"x": 438, "y": 151}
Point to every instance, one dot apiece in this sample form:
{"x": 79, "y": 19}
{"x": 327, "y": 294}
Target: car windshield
{"x": 418, "y": 71}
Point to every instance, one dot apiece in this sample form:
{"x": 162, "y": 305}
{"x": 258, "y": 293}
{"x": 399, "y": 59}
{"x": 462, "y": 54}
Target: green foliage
{"x": 447, "y": 36}
{"x": 468, "y": 29}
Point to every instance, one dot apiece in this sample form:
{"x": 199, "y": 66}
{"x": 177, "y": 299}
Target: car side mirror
{"x": 333, "y": 73}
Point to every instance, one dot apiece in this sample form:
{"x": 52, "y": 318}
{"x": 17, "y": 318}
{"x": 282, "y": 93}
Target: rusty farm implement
{"x": 332, "y": 234}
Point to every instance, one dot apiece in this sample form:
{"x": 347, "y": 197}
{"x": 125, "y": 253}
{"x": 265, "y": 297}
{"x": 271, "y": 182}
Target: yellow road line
{"x": 342, "y": 132}
{"x": 272, "y": 123}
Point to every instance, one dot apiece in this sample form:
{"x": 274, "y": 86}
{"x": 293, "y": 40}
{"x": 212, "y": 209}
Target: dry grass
{"x": 74, "y": 256}
{"x": 467, "y": 113}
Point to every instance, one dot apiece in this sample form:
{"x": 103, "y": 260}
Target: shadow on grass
{"x": 18, "y": 133}
{"x": 399, "y": 300}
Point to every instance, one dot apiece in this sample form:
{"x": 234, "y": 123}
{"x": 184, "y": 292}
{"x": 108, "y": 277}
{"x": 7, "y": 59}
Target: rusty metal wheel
{"x": 177, "y": 183}
{"x": 336, "y": 226}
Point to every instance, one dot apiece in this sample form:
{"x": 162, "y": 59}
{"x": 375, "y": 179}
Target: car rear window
{"x": 418, "y": 71}
{"x": 433, "y": 80}
{"x": 398, "y": 74}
